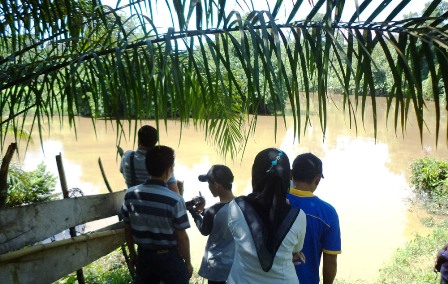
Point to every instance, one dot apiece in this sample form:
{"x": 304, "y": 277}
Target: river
{"x": 366, "y": 180}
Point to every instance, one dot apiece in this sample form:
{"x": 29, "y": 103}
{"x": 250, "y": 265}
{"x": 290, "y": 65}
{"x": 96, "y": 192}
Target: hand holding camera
{"x": 197, "y": 203}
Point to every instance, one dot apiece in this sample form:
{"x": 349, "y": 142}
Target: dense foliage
{"x": 29, "y": 187}
{"x": 429, "y": 179}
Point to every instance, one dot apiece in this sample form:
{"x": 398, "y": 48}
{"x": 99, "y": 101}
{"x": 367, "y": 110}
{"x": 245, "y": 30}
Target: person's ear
{"x": 317, "y": 180}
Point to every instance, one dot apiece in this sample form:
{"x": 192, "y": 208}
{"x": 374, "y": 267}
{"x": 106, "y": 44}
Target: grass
{"x": 413, "y": 263}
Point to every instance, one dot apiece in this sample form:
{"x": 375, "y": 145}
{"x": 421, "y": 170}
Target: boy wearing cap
{"x": 323, "y": 237}
{"x": 212, "y": 222}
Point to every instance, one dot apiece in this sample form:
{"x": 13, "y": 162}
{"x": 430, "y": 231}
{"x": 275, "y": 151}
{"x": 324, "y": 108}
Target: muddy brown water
{"x": 366, "y": 180}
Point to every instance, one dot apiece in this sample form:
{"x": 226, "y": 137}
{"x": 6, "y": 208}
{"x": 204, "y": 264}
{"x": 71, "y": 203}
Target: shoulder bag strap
{"x": 133, "y": 176}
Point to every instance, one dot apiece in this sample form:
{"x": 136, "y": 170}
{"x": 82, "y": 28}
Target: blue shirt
{"x": 322, "y": 233}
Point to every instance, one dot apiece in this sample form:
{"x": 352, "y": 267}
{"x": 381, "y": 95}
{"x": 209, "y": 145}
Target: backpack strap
{"x": 133, "y": 176}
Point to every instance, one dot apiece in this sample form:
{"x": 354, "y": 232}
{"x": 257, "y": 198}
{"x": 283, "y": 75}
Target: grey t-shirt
{"x": 220, "y": 248}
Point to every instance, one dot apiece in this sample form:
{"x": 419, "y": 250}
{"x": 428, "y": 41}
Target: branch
{"x": 4, "y": 174}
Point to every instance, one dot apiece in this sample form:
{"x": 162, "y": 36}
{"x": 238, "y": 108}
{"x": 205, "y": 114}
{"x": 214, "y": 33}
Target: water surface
{"x": 366, "y": 180}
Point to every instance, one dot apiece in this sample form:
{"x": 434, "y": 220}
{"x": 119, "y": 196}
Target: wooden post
{"x": 79, "y": 273}
{"x": 4, "y": 174}
{"x": 123, "y": 247}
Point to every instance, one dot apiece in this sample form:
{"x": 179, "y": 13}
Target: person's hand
{"x": 200, "y": 206}
{"x": 298, "y": 258}
{"x": 189, "y": 270}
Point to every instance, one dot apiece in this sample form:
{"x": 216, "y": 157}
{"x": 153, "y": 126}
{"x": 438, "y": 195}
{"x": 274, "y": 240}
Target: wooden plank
{"x": 64, "y": 187}
{"x": 27, "y": 225}
{"x": 42, "y": 263}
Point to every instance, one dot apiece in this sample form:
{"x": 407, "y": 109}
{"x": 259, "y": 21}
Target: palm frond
{"x": 217, "y": 67}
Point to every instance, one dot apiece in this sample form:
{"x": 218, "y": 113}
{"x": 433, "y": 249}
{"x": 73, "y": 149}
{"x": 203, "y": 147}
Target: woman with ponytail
{"x": 267, "y": 231}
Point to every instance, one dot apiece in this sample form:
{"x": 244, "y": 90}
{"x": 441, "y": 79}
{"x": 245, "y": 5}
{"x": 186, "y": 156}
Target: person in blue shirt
{"x": 323, "y": 236}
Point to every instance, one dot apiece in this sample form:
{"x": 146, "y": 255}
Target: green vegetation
{"x": 110, "y": 269}
{"x": 429, "y": 182}
{"x": 414, "y": 263}
{"x": 29, "y": 187}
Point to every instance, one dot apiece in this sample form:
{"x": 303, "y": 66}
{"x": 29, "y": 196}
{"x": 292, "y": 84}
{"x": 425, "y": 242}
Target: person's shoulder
{"x": 218, "y": 206}
{"x": 127, "y": 154}
{"x": 323, "y": 202}
{"x": 170, "y": 194}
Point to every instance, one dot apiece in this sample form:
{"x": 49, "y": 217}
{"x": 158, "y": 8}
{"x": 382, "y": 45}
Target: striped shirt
{"x": 141, "y": 174}
{"x": 154, "y": 213}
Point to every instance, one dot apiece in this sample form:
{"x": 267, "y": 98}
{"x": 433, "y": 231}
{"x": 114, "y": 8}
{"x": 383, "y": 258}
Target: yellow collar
{"x": 301, "y": 193}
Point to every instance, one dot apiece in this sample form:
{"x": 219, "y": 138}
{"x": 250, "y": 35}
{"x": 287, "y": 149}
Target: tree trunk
{"x": 4, "y": 174}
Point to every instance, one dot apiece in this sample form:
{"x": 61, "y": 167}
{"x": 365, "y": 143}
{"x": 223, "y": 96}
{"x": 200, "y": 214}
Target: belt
{"x": 158, "y": 250}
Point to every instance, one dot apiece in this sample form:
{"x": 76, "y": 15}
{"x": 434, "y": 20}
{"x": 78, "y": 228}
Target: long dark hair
{"x": 270, "y": 183}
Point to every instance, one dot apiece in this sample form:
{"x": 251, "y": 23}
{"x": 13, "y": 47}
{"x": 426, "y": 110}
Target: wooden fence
{"x": 24, "y": 261}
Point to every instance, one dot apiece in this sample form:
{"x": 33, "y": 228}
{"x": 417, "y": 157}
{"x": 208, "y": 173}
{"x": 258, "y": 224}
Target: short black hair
{"x": 147, "y": 136}
{"x": 158, "y": 160}
{"x": 306, "y": 167}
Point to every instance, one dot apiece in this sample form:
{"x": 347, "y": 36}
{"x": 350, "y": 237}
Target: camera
{"x": 195, "y": 201}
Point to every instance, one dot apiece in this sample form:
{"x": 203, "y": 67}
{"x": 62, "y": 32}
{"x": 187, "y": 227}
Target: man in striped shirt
{"x": 156, "y": 220}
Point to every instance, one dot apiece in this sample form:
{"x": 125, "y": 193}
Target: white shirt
{"x": 246, "y": 267}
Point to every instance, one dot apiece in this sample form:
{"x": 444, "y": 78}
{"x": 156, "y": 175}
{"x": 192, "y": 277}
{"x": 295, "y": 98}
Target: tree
{"x": 53, "y": 53}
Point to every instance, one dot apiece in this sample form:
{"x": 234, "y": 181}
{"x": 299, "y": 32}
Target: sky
{"x": 162, "y": 16}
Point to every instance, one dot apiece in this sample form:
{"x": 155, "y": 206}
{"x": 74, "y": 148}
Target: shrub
{"x": 429, "y": 179}
{"x": 29, "y": 187}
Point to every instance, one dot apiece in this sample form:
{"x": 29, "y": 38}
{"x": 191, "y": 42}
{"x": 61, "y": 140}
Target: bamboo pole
{"x": 123, "y": 247}
{"x": 79, "y": 273}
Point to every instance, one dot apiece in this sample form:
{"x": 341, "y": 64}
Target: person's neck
{"x": 304, "y": 186}
{"x": 226, "y": 197}
{"x": 163, "y": 178}
{"x": 143, "y": 148}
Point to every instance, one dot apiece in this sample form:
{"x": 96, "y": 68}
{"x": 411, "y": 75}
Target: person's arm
{"x": 183, "y": 243}
{"x": 329, "y": 267}
{"x": 131, "y": 247}
{"x": 205, "y": 225}
{"x": 173, "y": 187}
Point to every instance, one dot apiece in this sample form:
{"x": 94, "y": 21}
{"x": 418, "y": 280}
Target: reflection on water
{"x": 365, "y": 180}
